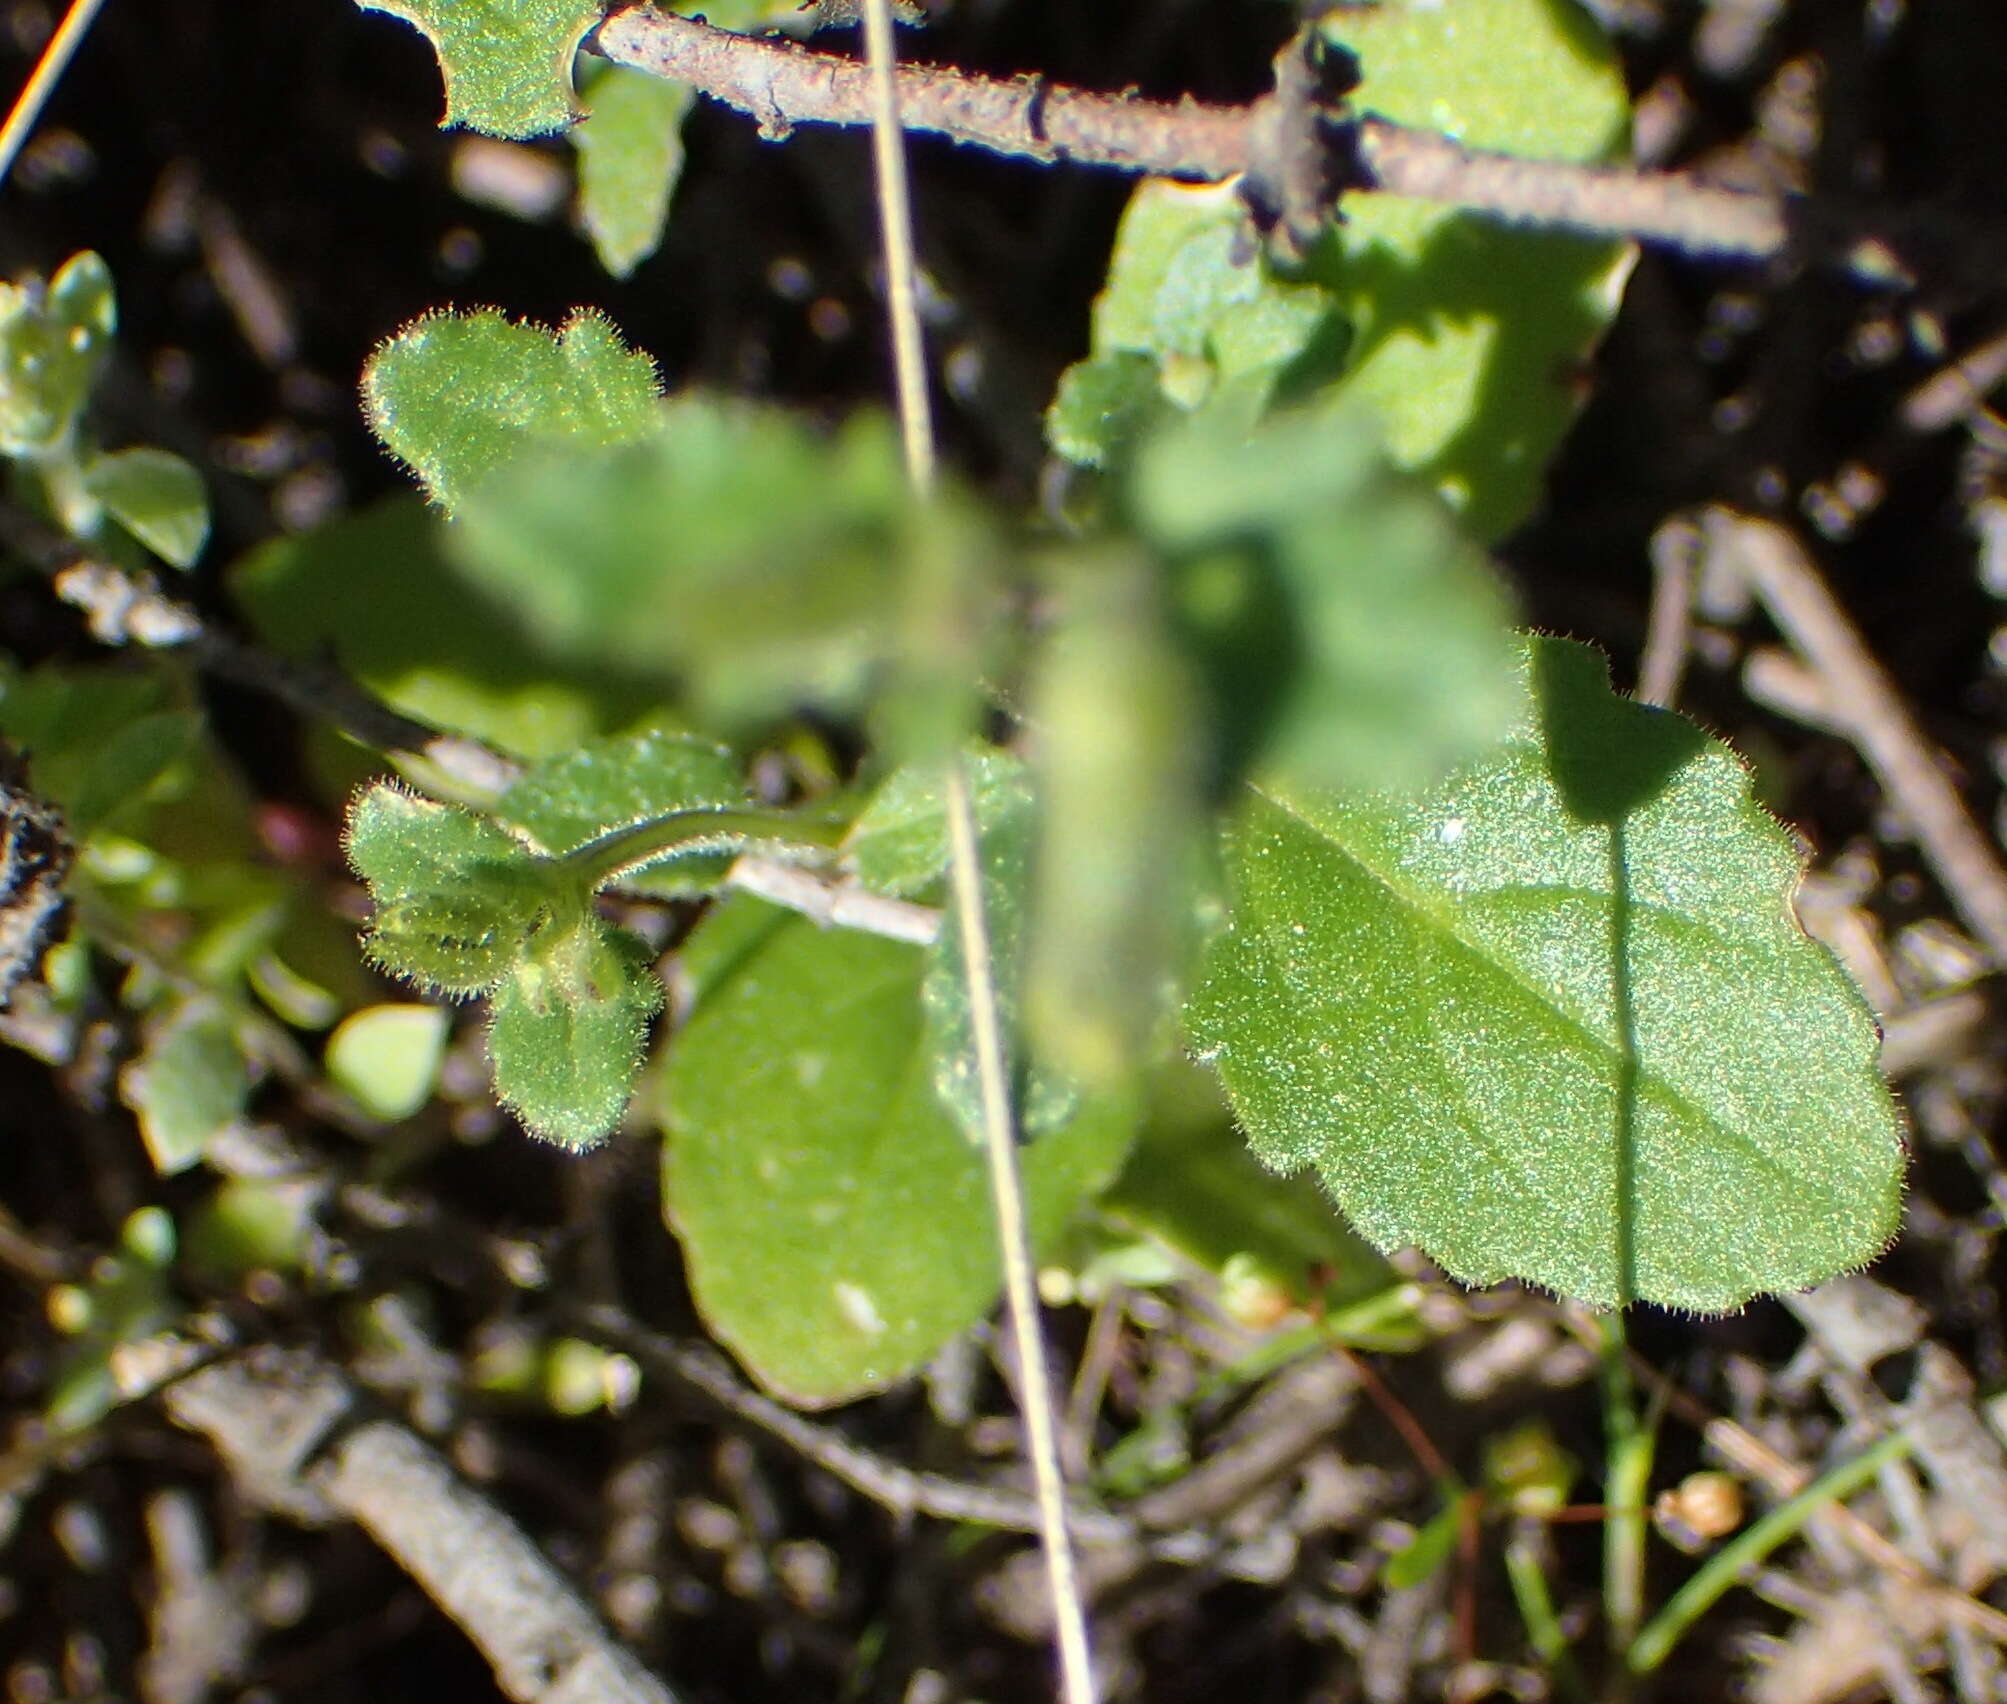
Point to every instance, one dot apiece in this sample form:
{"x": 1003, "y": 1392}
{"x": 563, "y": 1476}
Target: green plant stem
{"x": 624, "y": 850}
{"x": 1628, "y": 1448}
{"x": 1734, "y": 1559}
{"x": 1536, "y": 1609}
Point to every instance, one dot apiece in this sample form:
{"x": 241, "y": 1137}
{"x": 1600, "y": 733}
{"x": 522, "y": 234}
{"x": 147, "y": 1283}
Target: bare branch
{"x": 782, "y": 84}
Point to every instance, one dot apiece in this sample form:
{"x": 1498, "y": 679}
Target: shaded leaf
{"x": 506, "y": 63}
{"x": 836, "y": 1223}
{"x": 1555, "y": 1021}
{"x": 455, "y": 395}
{"x": 375, "y": 590}
{"x": 898, "y": 846}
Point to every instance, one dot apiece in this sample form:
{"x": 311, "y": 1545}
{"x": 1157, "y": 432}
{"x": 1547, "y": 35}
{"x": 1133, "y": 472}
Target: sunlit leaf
{"x": 898, "y": 845}
{"x": 1555, "y": 1020}
{"x": 155, "y": 496}
{"x": 387, "y": 1058}
{"x": 455, "y": 395}
{"x": 53, "y": 339}
{"x": 630, "y": 154}
{"x": 1468, "y": 335}
{"x": 506, "y": 63}
{"x": 566, "y": 1028}
{"x": 456, "y": 899}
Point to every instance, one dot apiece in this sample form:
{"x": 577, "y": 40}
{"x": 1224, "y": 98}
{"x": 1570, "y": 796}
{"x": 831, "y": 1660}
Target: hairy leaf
{"x": 506, "y": 63}
{"x": 607, "y": 784}
{"x": 456, "y": 395}
{"x": 456, "y": 898}
{"x": 898, "y": 845}
{"x": 1191, "y": 307}
{"x": 630, "y": 154}
{"x": 836, "y": 1223}
{"x": 566, "y": 1029}
{"x": 1555, "y": 1020}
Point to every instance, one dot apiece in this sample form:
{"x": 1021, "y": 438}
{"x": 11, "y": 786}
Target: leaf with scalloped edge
{"x": 1555, "y": 1020}
{"x": 506, "y": 63}
{"x": 454, "y": 395}
{"x": 566, "y": 1030}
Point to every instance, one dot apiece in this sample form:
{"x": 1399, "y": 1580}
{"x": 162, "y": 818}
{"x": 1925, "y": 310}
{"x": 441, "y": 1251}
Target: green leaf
{"x": 1350, "y": 635}
{"x": 507, "y": 63}
{"x": 456, "y": 898}
{"x": 386, "y": 1058}
{"x": 1042, "y": 1098}
{"x": 609, "y": 784}
{"x": 187, "y": 1086}
{"x": 375, "y": 590}
{"x": 733, "y": 549}
{"x": 1468, "y": 334}
{"x": 52, "y": 341}
{"x": 1191, "y": 1183}
{"x": 1425, "y": 1553}
{"x": 1191, "y": 308}
{"x": 898, "y": 846}
{"x": 249, "y": 1225}
{"x": 456, "y": 395}
{"x": 566, "y": 1030}
{"x": 630, "y": 154}
{"x": 1555, "y": 1020}
{"x": 836, "y": 1223}
{"x": 155, "y": 496}
{"x": 1120, "y": 764}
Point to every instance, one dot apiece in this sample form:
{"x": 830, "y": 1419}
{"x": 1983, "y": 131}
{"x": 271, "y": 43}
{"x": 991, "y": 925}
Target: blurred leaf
{"x": 836, "y": 1223}
{"x": 456, "y": 898}
{"x": 507, "y": 63}
{"x": 1555, "y": 1021}
{"x": 456, "y": 395}
{"x": 1424, "y": 1554}
{"x": 250, "y": 1225}
{"x": 375, "y": 590}
{"x": 386, "y": 1058}
{"x": 155, "y": 496}
{"x": 566, "y": 1028}
{"x": 733, "y": 549}
{"x": 630, "y": 154}
{"x": 1468, "y": 335}
{"x": 187, "y": 1086}
{"x": 1119, "y": 766}
{"x": 1103, "y": 404}
{"x": 898, "y": 846}
{"x": 53, "y": 339}
{"x": 1349, "y": 634}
